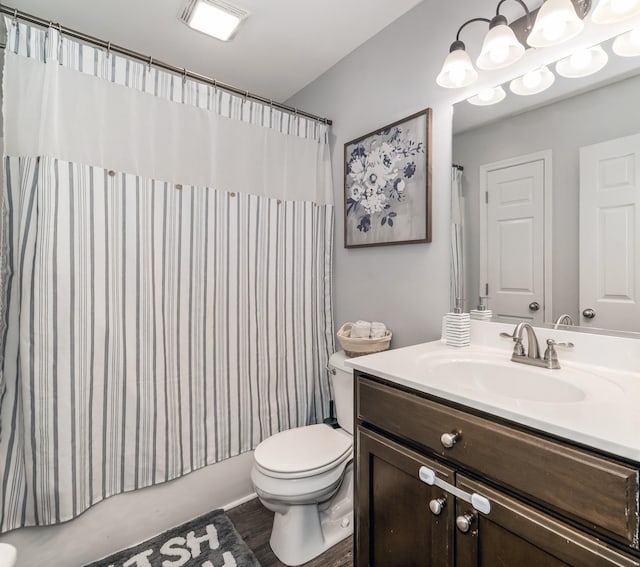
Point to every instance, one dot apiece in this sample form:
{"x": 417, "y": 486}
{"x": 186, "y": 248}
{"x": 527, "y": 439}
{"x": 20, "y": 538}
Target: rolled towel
{"x": 361, "y": 330}
{"x": 378, "y": 330}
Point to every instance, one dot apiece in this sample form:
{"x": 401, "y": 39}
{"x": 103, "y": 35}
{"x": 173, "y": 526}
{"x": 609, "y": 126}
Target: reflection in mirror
{"x": 552, "y": 204}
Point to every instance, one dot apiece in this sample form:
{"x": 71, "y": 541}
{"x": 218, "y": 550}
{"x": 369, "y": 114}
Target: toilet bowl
{"x": 305, "y": 476}
{"x": 8, "y": 555}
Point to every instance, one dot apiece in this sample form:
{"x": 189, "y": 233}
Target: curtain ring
{"x": 108, "y": 49}
{"x": 184, "y": 76}
{"x": 15, "y": 17}
{"x": 150, "y": 63}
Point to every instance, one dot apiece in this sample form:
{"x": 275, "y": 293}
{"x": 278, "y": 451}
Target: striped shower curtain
{"x": 457, "y": 239}
{"x": 151, "y": 327}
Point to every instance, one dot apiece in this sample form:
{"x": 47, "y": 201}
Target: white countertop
{"x": 608, "y": 418}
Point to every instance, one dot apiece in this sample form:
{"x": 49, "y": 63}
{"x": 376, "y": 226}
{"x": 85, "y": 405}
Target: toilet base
{"x": 302, "y": 532}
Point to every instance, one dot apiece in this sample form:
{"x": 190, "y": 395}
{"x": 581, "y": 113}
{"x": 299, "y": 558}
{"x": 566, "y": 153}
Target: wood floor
{"x": 253, "y": 522}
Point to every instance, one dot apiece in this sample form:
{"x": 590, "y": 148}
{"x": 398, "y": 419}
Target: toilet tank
{"x": 342, "y": 383}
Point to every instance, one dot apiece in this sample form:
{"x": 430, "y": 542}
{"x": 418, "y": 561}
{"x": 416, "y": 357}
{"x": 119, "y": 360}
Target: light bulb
{"x": 457, "y": 74}
{"x": 621, "y": 6}
{"x": 554, "y": 29}
{"x": 532, "y": 79}
{"x": 581, "y": 59}
{"x": 485, "y": 95}
{"x": 499, "y": 54}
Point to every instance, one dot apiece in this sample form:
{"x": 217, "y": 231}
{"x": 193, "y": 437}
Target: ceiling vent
{"x": 213, "y": 17}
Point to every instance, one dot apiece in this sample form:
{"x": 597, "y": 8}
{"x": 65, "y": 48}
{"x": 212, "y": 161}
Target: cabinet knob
{"x": 464, "y": 522}
{"x": 448, "y": 440}
{"x": 436, "y": 505}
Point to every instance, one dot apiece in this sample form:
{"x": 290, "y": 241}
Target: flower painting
{"x": 388, "y": 184}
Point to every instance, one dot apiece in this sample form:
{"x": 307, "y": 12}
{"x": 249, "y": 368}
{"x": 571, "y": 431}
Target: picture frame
{"x": 387, "y": 184}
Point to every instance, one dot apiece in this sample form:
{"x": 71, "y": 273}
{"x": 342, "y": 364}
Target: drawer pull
{"x": 479, "y": 502}
{"x": 448, "y": 440}
{"x": 436, "y": 505}
{"x": 465, "y": 522}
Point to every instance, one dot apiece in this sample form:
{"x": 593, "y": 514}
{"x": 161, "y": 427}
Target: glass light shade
{"x": 582, "y": 63}
{"x": 487, "y": 97}
{"x": 457, "y": 70}
{"x": 500, "y": 48}
{"x": 612, "y": 11}
{"x": 627, "y": 44}
{"x": 555, "y": 23}
{"x": 533, "y": 82}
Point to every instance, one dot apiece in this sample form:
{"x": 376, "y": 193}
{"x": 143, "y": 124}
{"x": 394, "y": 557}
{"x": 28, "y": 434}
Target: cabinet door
{"x": 395, "y": 526}
{"x": 514, "y": 534}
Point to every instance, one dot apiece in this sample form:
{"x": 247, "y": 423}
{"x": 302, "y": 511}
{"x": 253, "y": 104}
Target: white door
{"x": 515, "y": 237}
{"x": 610, "y": 234}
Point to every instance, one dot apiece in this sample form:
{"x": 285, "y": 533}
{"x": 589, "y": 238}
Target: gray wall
{"x": 563, "y": 127}
{"x": 390, "y": 77}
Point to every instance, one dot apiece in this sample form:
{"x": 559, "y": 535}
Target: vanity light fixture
{"x": 487, "y": 97}
{"x": 627, "y": 44}
{"x": 216, "y": 18}
{"x": 500, "y": 48}
{"x": 556, "y": 22}
{"x": 613, "y": 11}
{"x": 582, "y": 63}
{"x": 533, "y": 82}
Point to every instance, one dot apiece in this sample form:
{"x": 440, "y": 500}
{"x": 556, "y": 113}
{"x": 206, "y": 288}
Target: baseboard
{"x": 240, "y": 501}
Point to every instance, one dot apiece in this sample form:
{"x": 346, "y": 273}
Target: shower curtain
{"x": 457, "y": 236}
{"x": 165, "y": 299}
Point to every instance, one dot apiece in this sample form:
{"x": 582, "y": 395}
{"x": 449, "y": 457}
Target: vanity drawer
{"x": 595, "y": 491}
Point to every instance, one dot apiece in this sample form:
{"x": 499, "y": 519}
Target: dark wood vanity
{"x": 552, "y": 503}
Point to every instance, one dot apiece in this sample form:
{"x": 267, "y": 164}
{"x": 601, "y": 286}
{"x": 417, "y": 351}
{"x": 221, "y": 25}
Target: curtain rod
{"x": 17, "y": 14}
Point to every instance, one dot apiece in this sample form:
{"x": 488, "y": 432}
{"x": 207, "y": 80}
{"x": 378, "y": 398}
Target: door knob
{"x": 436, "y": 505}
{"x": 464, "y": 522}
{"x": 448, "y": 440}
{"x": 534, "y": 306}
{"x": 589, "y": 313}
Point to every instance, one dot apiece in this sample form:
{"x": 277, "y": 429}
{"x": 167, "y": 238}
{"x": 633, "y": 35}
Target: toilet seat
{"x": 303, "y": 452}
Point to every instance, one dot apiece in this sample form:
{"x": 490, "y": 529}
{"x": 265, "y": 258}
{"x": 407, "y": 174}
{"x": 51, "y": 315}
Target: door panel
{"x": 394, "y": 525}
{"x": 515, "y": 534}
{"x": 609, "y": 233}
{"x": 515, "y": 240}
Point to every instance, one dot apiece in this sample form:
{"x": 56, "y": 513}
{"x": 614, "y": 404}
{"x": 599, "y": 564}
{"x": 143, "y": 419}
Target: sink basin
{"x": 491, "y": 376}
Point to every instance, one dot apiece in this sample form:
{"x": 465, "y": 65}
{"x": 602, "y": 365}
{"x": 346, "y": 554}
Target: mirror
{"x": 600, "y": 108}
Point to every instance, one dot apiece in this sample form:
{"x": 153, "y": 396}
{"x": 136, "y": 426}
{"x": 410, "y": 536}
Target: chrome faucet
{"x": 532, "y": 356}
{"x": 564, "y": 319}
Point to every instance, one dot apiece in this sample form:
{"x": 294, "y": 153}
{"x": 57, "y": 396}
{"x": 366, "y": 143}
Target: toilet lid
{"x": 302, "y": 449}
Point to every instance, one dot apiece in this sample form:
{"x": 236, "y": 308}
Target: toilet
{"x": 305, "y": 476}
{"x": 8, "y": 555}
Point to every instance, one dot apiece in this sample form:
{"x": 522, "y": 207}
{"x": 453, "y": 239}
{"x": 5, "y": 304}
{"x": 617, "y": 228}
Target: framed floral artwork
{"x": 387, "y": 184}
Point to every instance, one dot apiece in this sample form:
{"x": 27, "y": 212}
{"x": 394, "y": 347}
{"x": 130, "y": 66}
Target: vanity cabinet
{"x": 551, "y": 503}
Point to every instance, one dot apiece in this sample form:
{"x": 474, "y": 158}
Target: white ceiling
{"x": 281, "y": 47}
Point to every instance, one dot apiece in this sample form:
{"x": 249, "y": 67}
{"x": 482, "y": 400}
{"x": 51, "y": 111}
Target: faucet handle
{"x": 552, "y": 343}
{"x": 551, "y": 356}
{"x": 518, "y": 348}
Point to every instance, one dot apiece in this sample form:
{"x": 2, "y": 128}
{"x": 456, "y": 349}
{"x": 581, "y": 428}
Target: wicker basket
{"x": 359, "y": 347}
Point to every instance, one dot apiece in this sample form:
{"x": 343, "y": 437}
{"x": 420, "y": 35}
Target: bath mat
{"x": 207, "y": 541}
